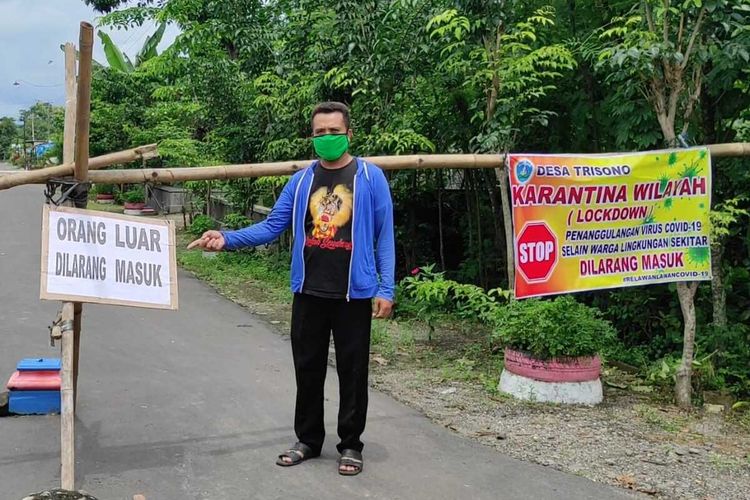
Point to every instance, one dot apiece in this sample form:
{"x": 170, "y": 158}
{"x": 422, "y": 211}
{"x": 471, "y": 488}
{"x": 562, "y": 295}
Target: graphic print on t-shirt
{"x": 330, "y": 210}
{"x": 328, "y": 232}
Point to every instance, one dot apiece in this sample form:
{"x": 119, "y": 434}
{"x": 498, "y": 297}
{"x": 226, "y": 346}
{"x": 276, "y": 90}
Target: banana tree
{"x": 120, "y": 61}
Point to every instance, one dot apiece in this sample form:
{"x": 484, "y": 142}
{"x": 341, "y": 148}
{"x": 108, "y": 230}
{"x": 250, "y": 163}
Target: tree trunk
{"x": 686, "y": 293}
{"x": 718, "y": 293}
{"x": 683, "y": 387}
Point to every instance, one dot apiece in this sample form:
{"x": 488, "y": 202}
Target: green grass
{"x": 101, "y": 207}
{"x": 243, "y": 275}
{"x": 665, "y": 422}
{"x": 726, "y": 462}
{"x": 458, "y": 351}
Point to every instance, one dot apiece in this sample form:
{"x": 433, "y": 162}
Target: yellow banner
{"x": 587, "y": 222}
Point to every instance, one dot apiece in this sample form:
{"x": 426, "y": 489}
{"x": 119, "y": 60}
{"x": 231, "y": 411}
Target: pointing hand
{"x": 213, "y": 241}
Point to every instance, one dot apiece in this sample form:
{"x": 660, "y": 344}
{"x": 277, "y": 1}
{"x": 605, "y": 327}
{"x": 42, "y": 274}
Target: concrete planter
{"x": 565, "y": 380}
{"x": 105, "y": 199}
{"x": 137, "y": 209}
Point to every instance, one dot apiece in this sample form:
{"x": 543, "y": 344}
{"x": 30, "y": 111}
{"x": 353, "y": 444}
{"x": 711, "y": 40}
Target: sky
{"x": 31, "y": 32}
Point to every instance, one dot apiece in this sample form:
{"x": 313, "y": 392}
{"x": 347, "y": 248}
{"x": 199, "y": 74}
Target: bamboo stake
{"x": 67, "y": 396}
{"x": 81, "y": 172}
{"x": 171, "y": 175}
{"x": 70, "y": 104}
{"x": 42, "y": 175}
{"x": 502, "y": 177}
{"x": 730, "y": 149}
{"x": 69, "y": 132}
{"x": 408, "y": 162}
{"x": 72, "y": 310}
{"x": 83, "y": 102}
{"x": 67, "y": 388}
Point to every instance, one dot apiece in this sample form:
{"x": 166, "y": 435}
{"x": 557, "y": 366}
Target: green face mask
{"x": 331, "y": 147}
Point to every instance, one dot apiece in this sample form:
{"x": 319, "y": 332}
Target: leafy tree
{"x": 511, "y": 66}
{"x": 42, "y": 120}
{"x": 109, "y": 5}
{"x": 8, "y": 134}
{"x": 663, "y": 50}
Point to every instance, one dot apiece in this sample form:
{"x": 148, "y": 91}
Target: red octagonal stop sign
{"x": 536, "y": 252}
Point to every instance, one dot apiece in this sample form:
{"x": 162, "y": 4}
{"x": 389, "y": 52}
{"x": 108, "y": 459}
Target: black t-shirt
{"x": 328, "y": 232}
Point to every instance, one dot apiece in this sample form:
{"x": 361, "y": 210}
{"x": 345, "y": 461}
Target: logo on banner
{"x": 524, "y": 170}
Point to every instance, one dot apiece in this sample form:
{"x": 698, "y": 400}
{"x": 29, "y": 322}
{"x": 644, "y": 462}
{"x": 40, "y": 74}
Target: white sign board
{"x": 108, "y": 258}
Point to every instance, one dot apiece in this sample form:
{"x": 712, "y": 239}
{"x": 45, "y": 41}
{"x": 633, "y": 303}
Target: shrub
{"x": 134, "y": 195}
{"x": 201, "y": 224}
{"x": 103, "y": 189}
{"x": 427, "y": 295}
{"x": 235, "y": 221}
{"x": 557, "y": 328}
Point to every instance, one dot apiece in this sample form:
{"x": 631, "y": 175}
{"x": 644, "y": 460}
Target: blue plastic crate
{"x": 38, "y": 364}
{"x": 34, "y": 402}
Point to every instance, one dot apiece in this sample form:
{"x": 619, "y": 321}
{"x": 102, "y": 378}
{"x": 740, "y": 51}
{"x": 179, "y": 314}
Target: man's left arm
{"x": 385, "y": 247}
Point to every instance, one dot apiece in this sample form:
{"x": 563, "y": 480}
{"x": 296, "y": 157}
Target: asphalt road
{"x": 196, "y": 404}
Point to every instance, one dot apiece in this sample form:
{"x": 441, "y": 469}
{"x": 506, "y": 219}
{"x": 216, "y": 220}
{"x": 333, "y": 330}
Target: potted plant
{"x": 135, "y": 202}
{"x": 104, "y": 193}
{"x": 552, "y": 350}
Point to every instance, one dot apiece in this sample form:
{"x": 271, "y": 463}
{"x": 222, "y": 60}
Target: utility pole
{"x": 23, "y": 147}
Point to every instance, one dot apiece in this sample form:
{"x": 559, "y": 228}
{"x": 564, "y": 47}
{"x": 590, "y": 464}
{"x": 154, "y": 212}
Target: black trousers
{"x": 313, "y": 320}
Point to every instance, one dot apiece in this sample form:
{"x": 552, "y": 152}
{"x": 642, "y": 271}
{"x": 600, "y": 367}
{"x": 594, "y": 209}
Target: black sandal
{"x": 352, "y": 458}
{"x": 296, "y": 454}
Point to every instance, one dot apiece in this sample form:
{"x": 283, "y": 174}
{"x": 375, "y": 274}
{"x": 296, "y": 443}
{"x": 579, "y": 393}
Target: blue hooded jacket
{"x": 373, "y": 247}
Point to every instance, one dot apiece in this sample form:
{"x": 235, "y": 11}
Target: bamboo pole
{"x": 730, "y": 149}
{"x": 70, "y": 104}
{"x": 67, "y": 388}
{"x": 510, "y": 264}
{"x": 42, "y": 175}
{"x": 170, "y": 175}
{"x": 71, "y": 314}
{"x": 83, "y": 102}
{"x": 67, "y": 396}
{"x": 407, "y": 162}
{"x": 69, "y": 132}
{"x": 81, "y": 172}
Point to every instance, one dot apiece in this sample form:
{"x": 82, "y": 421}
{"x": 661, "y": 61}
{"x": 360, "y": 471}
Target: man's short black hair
{"x": 332, "y": 107}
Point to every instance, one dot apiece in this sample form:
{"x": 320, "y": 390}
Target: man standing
{"x": 342, "y": 276}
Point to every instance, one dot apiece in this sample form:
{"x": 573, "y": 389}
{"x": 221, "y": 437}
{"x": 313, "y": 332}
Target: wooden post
{"x": 67, "y": 395}
{"x": 502, "y": 176}
{"x": 83, "y": 102}
{"x": 77, "y": 101}
{"x": 70, "y": 104}
{"x": 81, "y": 173}
{"x": 67, "y": 390}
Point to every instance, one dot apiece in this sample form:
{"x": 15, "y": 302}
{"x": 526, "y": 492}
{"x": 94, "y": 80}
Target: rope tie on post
{"x": 70, "y": 190}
